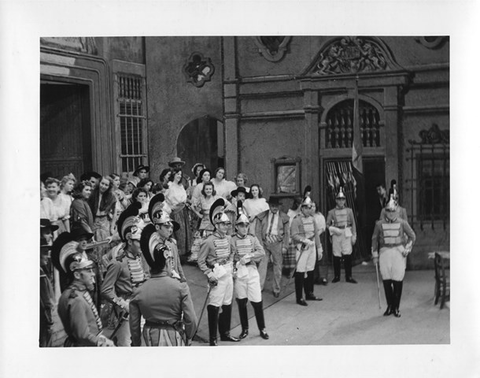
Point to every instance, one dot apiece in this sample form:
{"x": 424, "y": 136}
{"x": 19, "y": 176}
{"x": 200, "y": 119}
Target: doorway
{"x": 65, "y": 129}
{"x": 202, "y": 141}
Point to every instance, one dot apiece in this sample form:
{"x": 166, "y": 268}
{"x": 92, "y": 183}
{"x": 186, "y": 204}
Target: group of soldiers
{"x": 146, "y": 284}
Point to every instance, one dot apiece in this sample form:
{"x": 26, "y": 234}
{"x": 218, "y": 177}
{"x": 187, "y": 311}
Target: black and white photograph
{"x": 275, "y": 185}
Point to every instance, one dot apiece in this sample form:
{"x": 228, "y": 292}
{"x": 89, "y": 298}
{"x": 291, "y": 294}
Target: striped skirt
{"x": 162, "y": 335}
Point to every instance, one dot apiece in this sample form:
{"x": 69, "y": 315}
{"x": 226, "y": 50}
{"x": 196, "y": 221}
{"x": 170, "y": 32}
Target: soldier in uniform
{"x": 125, "y": 273}
{"x": 393, "y": 191}
{"x": 76, "y": 309}
{"x": 247, "y": 252}
{"x": 392, "y": 241}
{"x": 163, "y": 300}
{"x": 157, "y": 211}
{"x": 215, "y": 260}
{"x": 305, "y": 238}
{"x": 342, "y": 228}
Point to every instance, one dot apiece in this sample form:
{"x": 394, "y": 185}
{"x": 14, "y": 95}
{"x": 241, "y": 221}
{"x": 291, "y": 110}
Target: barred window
{"x": 339, "y": 132}
{"x": 429, "y": 182}
{"x": 130, "y": 116}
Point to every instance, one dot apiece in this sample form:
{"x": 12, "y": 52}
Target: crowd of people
{"x": 112, "y": 250}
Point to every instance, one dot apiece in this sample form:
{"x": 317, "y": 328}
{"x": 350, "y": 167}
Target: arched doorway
{"x": 202, "y": 141}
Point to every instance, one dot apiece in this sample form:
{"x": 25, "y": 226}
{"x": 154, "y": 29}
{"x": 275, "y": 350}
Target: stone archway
{"x": 202, "y": 141}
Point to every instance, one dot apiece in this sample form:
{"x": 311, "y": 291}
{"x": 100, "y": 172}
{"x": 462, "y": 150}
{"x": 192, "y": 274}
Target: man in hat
{"x": 392, "y": 241}
{"x": 238, "y": 196}
{"x": 177, "y": 164}
{"x": 248, "y": 252}
{"x": 165, "y": 227}
{"x": 125, "y": 273}
{"x": 76, "y": 309}
{"x": 92, "y": 177}
{"x": 273, "y": 231}
{"x": 305, "y": 237}
{"x": 164, "y": 301}
{"x": 342, "y": 228}
{"x": 215, "y": 260}
{"x": 140, "y": 173}
{"x": 46, "y": 297}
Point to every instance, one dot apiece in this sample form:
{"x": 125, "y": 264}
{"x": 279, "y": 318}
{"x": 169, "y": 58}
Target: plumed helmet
{"x": 340, "y": 194}
{"x": 392, "y": 204}
{"x": 129, "y": 224}
{"x": 307, "y": 201}
{"x": 156, "y": 204}
{"x": 217, "y": 212}
{"x": 162, "y": 217}
{"x": 242, "y": 217}
{"x": 155, "y": 252}
{"x": 66, "y": 255}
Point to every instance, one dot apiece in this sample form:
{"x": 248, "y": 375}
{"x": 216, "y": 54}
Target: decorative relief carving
{"x": 273, "y": 48}
{"x": 82, "y": 44}
{"x": 434, "y": 135}
{"x": 432, "y": 42}
{"x": 351, "y": 55}
{"x": 198, "y": 69}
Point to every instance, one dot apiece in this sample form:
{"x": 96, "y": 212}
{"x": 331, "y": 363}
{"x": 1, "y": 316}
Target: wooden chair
{"x": 442, "y": 280}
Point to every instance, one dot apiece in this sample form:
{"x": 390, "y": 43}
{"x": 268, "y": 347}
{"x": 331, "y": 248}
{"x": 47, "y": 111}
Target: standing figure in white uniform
{"x": 304, "y": 235}
{"x": 248, "y": 252}
{"x": 341, "y": 224}
{"x": 215, "y": 260}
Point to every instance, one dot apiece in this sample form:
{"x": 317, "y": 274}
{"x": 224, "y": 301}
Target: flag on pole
{"x": 357, "y": 146}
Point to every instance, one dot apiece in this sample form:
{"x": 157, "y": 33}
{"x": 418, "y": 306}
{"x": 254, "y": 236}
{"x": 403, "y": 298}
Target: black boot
{"x": 224, "y": 324}
{"x": 308, "y": 287}
{"x": 212, "y": 323}
{"x": 397, "y": 290}
{"x": 387, "y": 285}
{"x": 299, "y": 279}
{"x": 347, "y": 262}
{"x": 258, "y": 308}
{"x": 243, "y": 312}
{"x": 336, "y": 269}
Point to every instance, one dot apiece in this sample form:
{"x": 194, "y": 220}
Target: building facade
{"x": 285, "y": 110}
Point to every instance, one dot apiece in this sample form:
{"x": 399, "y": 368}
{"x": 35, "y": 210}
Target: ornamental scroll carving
{"x": 434, "y": 135}
{"x": 348, "y": 55}
{"x": 273, "y": 48}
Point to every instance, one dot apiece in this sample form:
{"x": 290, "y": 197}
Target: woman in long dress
{"x": 102, "y": 203}
{"x": 254, "y": 206}
{"x": 176, "y": 198}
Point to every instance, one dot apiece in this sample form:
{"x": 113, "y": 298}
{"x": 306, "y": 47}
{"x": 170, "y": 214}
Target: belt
{"x": 220, "y": 262}
{"x": 343, "y": 227}
{"x": 163, "y": 324}
{"x": 392, "y": 245}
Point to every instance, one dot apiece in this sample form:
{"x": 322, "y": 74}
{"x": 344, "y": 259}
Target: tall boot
{"x": 347, "y": 262}
{"x": 224, "y": 324}
{"x": 387, "y": 285}
{"x": 243, "y": 312}
{"x": 212, "y": 323}
{"x": 336, "y": 268}
{"x": 299, "y": 278}
{"x": 308, "y": 287}
{"x": 397, "y": 290}
{"x": 258, "y": 308}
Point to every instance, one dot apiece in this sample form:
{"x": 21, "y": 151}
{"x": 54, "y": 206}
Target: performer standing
{"x": 304, "y": 235}
{"x": 215, "y": 260}
{"x": 247, "y": 252}
{"x": 76, "y": 309}
{"x": 125, "y": 273}
{"x": 341, "y": 224}
{"x": 392, "y": 240}
{"x": 273, "y": 230}
{"x": 158, "y": 212}
{"x": 163, "y": 300}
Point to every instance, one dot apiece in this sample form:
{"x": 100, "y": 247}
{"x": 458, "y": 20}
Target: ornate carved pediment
{"x": 273, "y": 48}
{"x": 351, "y": 55}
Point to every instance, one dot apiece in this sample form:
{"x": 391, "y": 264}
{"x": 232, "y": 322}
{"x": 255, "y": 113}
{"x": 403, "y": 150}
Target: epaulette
{"x": 173, "y": 241}
{"x": 73, "y": 293}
